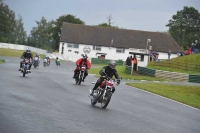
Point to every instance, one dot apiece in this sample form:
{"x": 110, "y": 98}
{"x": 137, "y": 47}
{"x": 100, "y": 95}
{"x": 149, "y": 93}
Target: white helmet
{"x": 28, "y": 50}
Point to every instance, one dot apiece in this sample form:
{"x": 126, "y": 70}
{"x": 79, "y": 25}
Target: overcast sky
{"x": 146, "y": 15}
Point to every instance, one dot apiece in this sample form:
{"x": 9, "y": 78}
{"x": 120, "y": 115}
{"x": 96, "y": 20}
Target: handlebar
{"x": 107, "y": 77}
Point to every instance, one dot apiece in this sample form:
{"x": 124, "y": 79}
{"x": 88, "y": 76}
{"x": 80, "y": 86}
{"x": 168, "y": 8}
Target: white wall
{"x": 111, "y": 53}
{"x": 164, "y": 56}
{"x": 22, "y": 47}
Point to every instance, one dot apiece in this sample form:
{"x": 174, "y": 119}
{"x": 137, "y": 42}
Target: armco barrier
{"x": 169, "y": 75}
{"x": 194, "y": 78}
{"x": 146, "y": 71}
{"x": 128, "y": 69}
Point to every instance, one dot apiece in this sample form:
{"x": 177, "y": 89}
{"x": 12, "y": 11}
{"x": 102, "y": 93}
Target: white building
{"x": 112, "y": 43}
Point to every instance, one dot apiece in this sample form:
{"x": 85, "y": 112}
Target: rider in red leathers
{"x": 80, "y": 62}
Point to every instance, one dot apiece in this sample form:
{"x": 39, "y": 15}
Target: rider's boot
{"x": 20, "y": 67}
{"x": 91, "y": 92}
{"x": 74, "y": 75}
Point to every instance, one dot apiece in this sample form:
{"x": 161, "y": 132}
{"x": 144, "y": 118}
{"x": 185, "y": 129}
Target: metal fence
{"x": 105, "y": 61}
{"x": 169, "y": 75}
{"x": 128, "y": 69}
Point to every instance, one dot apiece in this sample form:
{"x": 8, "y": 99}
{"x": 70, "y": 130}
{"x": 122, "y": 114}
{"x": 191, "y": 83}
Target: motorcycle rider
{"x": 27, "y": 54}
{"x": 48, "y": 59}
{"x": 80, "y": 62}
{"x": 37, "y": 55}
{"x": 56, "y": 60}
{"x": 106, "y": 71}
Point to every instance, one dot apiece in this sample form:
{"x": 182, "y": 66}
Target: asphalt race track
{"x": 48, "y": 101}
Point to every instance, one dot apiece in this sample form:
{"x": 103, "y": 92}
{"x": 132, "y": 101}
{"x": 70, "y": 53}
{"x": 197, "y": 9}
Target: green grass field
{"x": 15, "y": 53}
{"x": 190, "y": 59}
{"x": 2, "y": 61}
{"x": 189, "y": 95}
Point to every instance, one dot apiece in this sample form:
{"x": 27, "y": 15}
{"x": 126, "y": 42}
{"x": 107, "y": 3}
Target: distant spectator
{"x": 135, "y": 63}
{"x": 169, "y": 54}
{"x": 131, "y": 59}
{"x": 128, "y": 62}
{"x": 188, "y": 52}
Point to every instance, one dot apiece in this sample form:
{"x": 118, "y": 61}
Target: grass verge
{"x": 2, "y": 61}
{"x": 15, "y": 53}
{"x": 189, "y": 95}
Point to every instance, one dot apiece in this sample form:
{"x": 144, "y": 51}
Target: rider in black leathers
{"x": 27, "y": 54}
{"x": 107, "y": 71}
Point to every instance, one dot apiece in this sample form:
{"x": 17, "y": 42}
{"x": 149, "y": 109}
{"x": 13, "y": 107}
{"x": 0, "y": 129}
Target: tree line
{"x": 184, "y": 27}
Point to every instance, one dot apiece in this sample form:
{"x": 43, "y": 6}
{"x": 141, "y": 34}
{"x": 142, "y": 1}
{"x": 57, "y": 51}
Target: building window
{"x": 98, "y": 48}
{"x": 76, "y": 45}
{"x": 120, "y": 50}
{"x": 71, "y": 45}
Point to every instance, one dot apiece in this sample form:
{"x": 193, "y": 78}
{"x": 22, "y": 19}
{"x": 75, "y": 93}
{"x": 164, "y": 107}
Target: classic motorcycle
{"x": 57, "y": 62}
{"x": 80, "y": 74}
{"x": 25, "y": 67}
{"x": 46, "y": 62}
{"x": 103, "y": 93}
{"x": 36, "y": 62}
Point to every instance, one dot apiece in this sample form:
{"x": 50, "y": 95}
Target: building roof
{"x": 122, "y": 38}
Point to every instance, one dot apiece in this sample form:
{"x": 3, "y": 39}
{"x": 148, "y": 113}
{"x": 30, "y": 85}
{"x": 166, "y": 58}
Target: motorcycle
{"x": 80, "y": 74}
{"x": 25, "y": 67}
{"x": 57, "y": 62}
{"x": 46, "y": 62}
{"x": 36, "y": 62}
{"x": 103, "y": 93}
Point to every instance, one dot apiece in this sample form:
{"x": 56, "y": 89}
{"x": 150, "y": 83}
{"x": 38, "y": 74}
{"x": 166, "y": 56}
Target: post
{"x": 148, "y": 40}
{"x": 131, "y": 67}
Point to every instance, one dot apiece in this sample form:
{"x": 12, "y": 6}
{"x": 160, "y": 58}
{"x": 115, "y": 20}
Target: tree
{"x": 19, "y": 32}
{"x": 184, "y": 27}
{"x": 7, "y": 23}
{"x": 109, "y": 24}
{"x": 109, "y": 20}
{"x": 58, "y": 25}
{"x": 104, "y": 25}
{"x": 41, "y": 35}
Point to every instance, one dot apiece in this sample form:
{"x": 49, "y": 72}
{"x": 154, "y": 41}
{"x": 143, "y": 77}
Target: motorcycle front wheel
{"x": 80, "y": 78}
{"x": 93, "y": 102}
{"x": 76, "y": 78}
{"x": 24, "y": 72}
{"x": 105, "y": 101}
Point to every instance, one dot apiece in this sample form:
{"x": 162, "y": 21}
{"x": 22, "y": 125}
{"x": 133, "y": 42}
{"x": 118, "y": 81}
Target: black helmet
{"x": 85, "y": 57}
{"x": 112, "y": 64}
